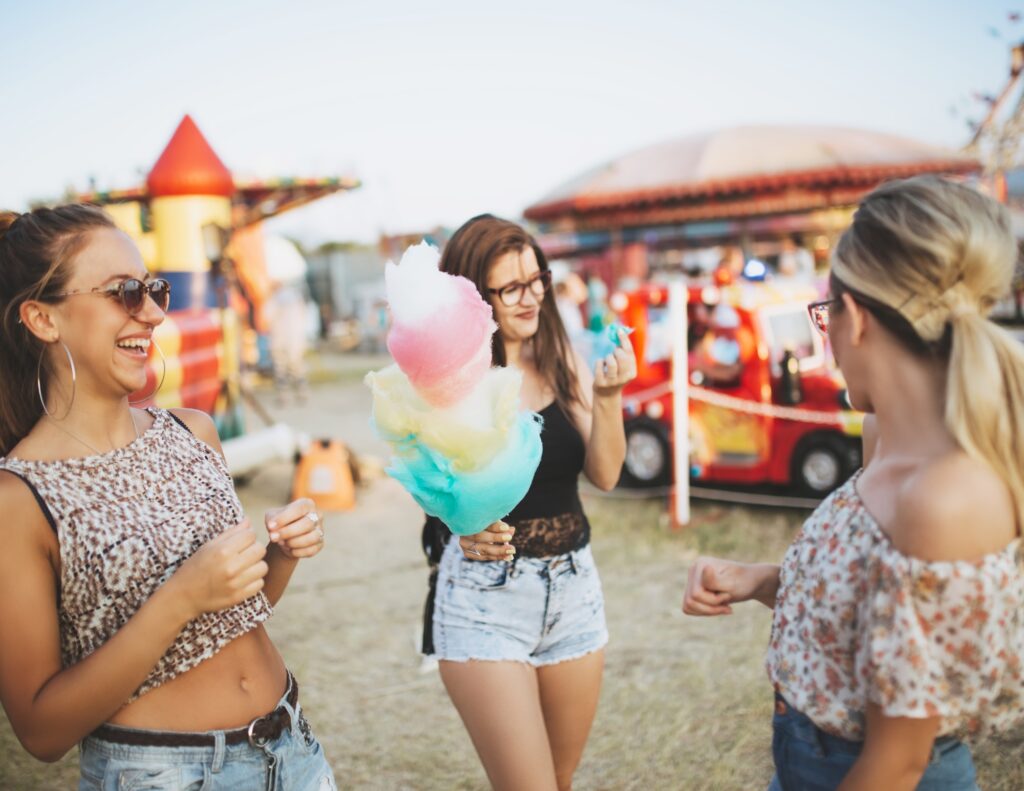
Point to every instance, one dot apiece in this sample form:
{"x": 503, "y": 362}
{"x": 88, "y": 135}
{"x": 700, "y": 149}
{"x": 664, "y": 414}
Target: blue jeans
{"x": 300, "y": 764}
{"x": 540, "y": 611}
{"x": 808, "y": 759}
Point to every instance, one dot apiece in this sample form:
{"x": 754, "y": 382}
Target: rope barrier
{"x": 744, "y": 405}
{"x": 718, "y": 495}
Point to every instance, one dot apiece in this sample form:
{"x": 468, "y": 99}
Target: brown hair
{"x": 470, "y": 253}
{"x": 35, "y": 249}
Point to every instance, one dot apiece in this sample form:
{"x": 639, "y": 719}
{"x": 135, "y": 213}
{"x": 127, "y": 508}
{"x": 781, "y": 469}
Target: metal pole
{"x": 677, "y": 297}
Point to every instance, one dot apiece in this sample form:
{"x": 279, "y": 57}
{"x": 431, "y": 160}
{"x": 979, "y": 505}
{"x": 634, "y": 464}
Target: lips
{"x": 527, "y": 316}
{"x": 136, "y": 346}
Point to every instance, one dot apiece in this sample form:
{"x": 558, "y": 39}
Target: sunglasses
{"x": 513, "y": 294}
{"x": 820, "y": 313}
{"x": 132, "y": 293}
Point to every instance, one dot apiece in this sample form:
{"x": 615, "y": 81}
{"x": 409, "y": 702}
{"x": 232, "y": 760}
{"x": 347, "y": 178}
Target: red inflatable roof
{"x": 702, "y": 176}
{"x": 188, "y": 166}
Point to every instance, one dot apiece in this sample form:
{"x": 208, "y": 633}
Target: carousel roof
{"x": 745, "y": 170}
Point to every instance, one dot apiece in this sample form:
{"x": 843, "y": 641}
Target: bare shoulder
{"x": 200, "y": 424}
{"x": 954, "y": 508}
{"x": 25, "y": 528}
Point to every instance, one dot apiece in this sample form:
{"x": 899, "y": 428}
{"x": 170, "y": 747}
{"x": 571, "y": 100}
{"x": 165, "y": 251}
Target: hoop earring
{"x": 39, "y": 381}
{"x": 163, "y": 375}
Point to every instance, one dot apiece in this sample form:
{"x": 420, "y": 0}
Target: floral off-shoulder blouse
{"x": 857, "y": 621}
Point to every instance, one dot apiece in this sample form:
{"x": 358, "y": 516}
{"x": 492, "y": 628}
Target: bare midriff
{"x": 244, "y": 680}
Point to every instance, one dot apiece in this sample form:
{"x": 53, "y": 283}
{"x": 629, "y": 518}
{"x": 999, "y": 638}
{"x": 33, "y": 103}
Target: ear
{"x": 39, "y": 319}
{"x": 858, "y": 319}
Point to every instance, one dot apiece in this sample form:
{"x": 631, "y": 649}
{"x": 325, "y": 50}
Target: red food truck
{"x": 766, "y": 403}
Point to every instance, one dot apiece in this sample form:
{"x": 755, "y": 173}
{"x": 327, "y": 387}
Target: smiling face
{"x": 109, "y": 346}
{"x": 518, "y": 322}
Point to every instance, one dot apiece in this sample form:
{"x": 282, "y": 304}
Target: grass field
{"x": 685, "y": 704}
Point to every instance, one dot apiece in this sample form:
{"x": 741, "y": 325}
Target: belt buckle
{"x": 254, "y": 740}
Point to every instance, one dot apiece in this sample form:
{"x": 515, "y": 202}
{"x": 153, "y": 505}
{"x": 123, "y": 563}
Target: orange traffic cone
{"x": 324, "y": 475}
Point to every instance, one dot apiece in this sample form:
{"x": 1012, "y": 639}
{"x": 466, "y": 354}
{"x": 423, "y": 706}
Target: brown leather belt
{"x": 257, "y": 733}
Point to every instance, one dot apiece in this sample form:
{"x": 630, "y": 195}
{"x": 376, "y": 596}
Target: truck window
{"x": 788, "y": 327}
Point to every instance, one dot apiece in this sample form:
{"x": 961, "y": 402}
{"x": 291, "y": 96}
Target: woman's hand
{"x": 223, "y": 572}
{"x": 714, "y": 584}
{"x": 613, "y": 372}
{"x": 490, "y": 544}
{"x": 296, "y": 529}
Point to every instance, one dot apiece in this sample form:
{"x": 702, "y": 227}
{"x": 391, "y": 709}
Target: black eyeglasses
{"x": 820, "y": 313}
{"x": 132, "y": 293}
{"x": 511, "y": 295}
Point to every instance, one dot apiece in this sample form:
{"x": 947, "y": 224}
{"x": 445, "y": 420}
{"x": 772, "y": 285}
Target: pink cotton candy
{"x": 447, "y": 354}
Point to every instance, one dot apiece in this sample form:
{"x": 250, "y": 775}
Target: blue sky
{"x": 447, "y": 109}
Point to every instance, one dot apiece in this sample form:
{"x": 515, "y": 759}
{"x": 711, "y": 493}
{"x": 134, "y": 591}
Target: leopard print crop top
{"x": 125, "y": 521}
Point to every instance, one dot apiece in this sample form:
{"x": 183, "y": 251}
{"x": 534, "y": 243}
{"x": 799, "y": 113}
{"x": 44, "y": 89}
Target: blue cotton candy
{"x": 606, "y": 341}
{"x": 470, "y": 502}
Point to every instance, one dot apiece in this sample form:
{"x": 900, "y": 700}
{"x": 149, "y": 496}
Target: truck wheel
{"x": 820, "y": 464}
{"x": 648, "y": 458}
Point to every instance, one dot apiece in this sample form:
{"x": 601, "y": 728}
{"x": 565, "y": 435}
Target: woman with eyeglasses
{"x": 898, "y": 624}
{"x": 515, "y": 614}
{"x": 132, "y": 587}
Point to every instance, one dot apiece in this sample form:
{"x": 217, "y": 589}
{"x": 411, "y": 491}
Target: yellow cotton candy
{"x": 469, "y": 434}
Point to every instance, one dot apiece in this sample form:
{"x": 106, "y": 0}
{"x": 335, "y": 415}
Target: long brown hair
{"x": 35, "y": 250}
{"x": 470, "y": 253}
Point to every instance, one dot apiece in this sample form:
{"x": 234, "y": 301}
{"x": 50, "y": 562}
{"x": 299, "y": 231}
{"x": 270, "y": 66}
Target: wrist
{"x": 609, "y": 399}
{"x": 766, "y": 583}
{"x": 277, "y": 555}
{"x": 178, "y": 605}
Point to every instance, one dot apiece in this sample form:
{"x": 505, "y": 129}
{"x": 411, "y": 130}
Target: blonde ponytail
{"x": 985, "y": 398}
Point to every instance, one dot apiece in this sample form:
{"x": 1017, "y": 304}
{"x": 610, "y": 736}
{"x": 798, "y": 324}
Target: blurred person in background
{"x": 287, "y": 314}
{"x": 795, "y": 261}
{"x": 897, "y": 631}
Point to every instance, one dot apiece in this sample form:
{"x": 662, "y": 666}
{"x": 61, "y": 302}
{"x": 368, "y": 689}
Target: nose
{"x": 150, "y": 313}
{"x": 529, "y": 299}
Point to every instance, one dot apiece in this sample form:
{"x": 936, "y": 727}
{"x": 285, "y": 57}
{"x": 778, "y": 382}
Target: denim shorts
{"x": 300, "y": 763}
{"x": 809, "y": 759}
{"x": 534, "y": 610}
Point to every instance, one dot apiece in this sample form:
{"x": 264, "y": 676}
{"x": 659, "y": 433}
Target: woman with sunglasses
{"x": 515, "y": 613}
{"x": 898, "y": 625}
{"x": 132, "y": 588}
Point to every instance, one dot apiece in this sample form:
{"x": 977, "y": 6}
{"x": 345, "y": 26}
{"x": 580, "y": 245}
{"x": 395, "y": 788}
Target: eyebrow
{"x": 519, "y": 282}
{"x": 118, "y": 278}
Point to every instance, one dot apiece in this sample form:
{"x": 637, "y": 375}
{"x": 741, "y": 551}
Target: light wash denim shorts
{"x": 300, "y": 763}
{"x": 809, "y": 759}
{"x": 534, "y": 610}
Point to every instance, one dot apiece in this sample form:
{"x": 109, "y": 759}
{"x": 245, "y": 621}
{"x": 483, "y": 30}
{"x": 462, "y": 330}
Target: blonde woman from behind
{"x": 897, "y": 627}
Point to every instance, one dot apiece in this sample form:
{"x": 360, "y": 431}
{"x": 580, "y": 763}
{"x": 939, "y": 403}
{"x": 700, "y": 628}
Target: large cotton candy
{"x": 469, "y": 434}
{"x": 463, "y": 449}
{"x": 469, "y": 502}
{"x": 441, "y": 327}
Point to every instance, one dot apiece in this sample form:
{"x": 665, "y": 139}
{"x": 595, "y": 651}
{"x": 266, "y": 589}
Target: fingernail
{"x": 273, "y": 536}
{"x": 506, "y": 537}
{"x": 271, "y": 524}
